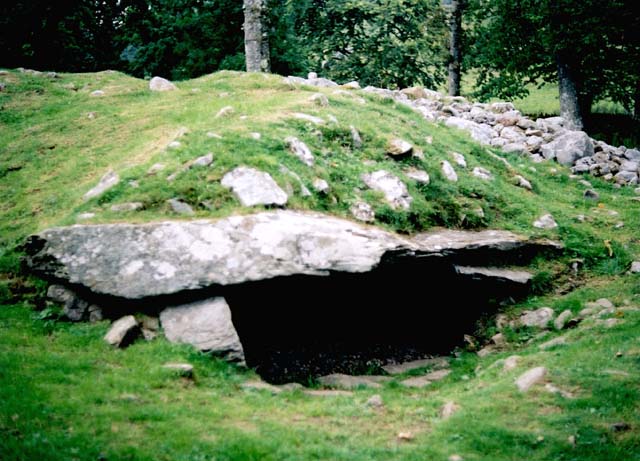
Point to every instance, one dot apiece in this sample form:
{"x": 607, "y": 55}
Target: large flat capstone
{"x": 136, "y": 261}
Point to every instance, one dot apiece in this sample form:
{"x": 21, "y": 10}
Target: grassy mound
{"x": 65, "y": 394}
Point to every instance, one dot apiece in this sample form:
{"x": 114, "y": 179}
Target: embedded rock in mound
{"x": 569, "y": 147}
{"x": 206, "y": 325}
{"x": 395, "y": 191}
{"x": 254, "y": 187}
{"x": 143, "y": 260}
{"x": 161, "y": 84}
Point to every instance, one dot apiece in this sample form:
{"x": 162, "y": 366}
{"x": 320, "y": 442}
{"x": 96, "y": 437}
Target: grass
{"x": 64, "y": 394}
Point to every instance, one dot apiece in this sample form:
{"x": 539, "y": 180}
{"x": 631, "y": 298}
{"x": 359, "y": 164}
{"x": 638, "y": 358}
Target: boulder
{"x": 480, "y": 132}
{"x": 635, "y": 267}
{"x": 309, "y": 118}
{"x": 482, "y": 173}
{"x": 123, "y": 331}
{"x": 356, "y": 140}
{"x": 449, "y": 172}
{"x": 319, "y": 99}
{"x": 530, "y": 378}
{"x": 254, "y": 187}
{"x": 394, "y": 190}
{"x": 419, "y": 176}
{"x": 545, "y": 222}
{"x": 180, "y": 207}
{"x": 399, "y": 368}
{"x": 143, "y": 260}
{"x": 109, "y": 180}
{"x": 399, "y": 148}
{"x": 206, "y": 325}
{"x": 161, "y": 84}
{"x": 539, "y": 318}
{"x": 321, "y": 186}
{"x": 362, "y": 211}
{"x": 569, "y": 147}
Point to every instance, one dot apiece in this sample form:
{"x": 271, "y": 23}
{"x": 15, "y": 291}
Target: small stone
{"x": 619, "y": 225}
{"x": 203, "y": 161}
{"x": 572, "y": 440}
{"x": 522, "y": 182}
{"x": 343, "y": 381}
{"x": 605, "y": 303}
{"x": 321, "y": 186}
{"x": 261, "y": 386}
{"x": 399, "y": 148}
{"x": 254, "y": 187}
{"x": 161, "y": 84}
{"x": 109, "y": 180}
{"x": 300, "y": 150}
{"x": 394, "y": 190}
{"x": 328, "y": 393}
{"x": 74, "y": 308}
{"x": 309, "y": 118}
{"x": 511, "y": 363}
{"x": 319, "y": 99}
{"x": 224, "y": 112}
{"x": 211, "y": 134}
{"x": 620, "y": 427}
{"x": 590, "y": 194}
{"x": 561, "y": 321}
{"x": 530, "y": 378}
{"x": 312, "y": 76}
{"x": 448, "y": 171}
{"x": 405, "y": 436}
{"x": 499, "y": 340}
{"x": 124, "y": 207}
{"x": 448, "y": 409}
{"x": 174, "y": 145}
{"x": 559, "y": 341}
{"x": 352, "y": 85}
{"x": 419, "y": 381}
{"x": 459, "y": 159}
{"x": 456, "y": 458}
{"x": 635, "y": 267}
{"x": 155, "y": 168}
{"x": 375, "y": 401}
{"x": 356, "y": 140}
{"x": 363, "y": 212}
{"x": 184, "y": 370}
{"x": 85, "y": 216}
{"x": 482, "y": 173}
{"x": 255, "y": 136}
{"x": 180, "y": 207}
{"x": 92, "y": 115}
{"x": 419, "y": 176}
{"x": 123, "y": 331}
{"x": 486, "y": 351}
{"x": 97, "y": 93}
{"x": 539, "y": 318}
{"x": 545, "y": 222}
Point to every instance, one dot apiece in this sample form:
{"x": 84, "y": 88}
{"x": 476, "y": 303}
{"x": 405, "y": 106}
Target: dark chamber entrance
{"x": 295, "y": 328}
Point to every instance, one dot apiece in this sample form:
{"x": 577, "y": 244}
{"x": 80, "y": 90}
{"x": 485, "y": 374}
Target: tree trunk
{"x": 265, "y": 60}
{"x": 455, "y": 53}
{"x": 569, "y": 103}
{"x": 253, "y": 35}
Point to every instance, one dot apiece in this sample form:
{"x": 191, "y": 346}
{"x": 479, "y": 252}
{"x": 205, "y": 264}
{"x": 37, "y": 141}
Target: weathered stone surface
{"x": 418, "y": 381}
{"x": 511, "y": 363}
{"x": 161, "y": 84}
{"x": 522, "y": 182}
{"x": 559, "y": 341}
{"x": 253, "y": 187}
{"x": 319, "y": 99}
{"x": 561, "y": 321}
{"x": 206, "y": 325}
{"x": 399, "y": 368}
{"x": 635, "y": 267}
{"x": 180, "y": 207}
{"x": 530, "y": 378}
{"x": 375, "y": 401}
{"x": 419, "y": 176}
{"x": 394, "y": 190}
{"x": 399, "y": 148}
{"x": 109, "y": 180}
{"x": 362, "y": 211}
{"x": 356, "y": 139}
{"x": 481, "y": 133}
{"x": 482, "y": 173}
{"x": 129, "y": 206}
{"x": 569, "y": 147}
{"x": 122, "y": 331}
{"x": 459, "y": 159}
{"x": 309, "y": 118}
{"x": 141, "y": 260}
{"x": 300, "y": 150}
{"x": 539, "y": 318}
{"x": 74, "y": 308}
{"x": 497, "y": 274}
{"x": 342, "y": 381}
{"x": 449, "y": 172}
{"x": 321, "y": 186}
{"x": 545, "y": 222}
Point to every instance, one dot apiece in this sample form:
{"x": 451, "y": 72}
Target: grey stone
{"x": 399, "y": 368}
{"x": 180, "y": 207}
{"x": 225, "y": 112}
{"x": 253, "y": 187}
{"x": 626, "y": 177}
{"x": 482, "y": 173}
{"x": 300, "y": 150}
{"x": 123, "y": 331}
{"x": 124, "y": 207}
{"x": 561, "y": 321}
{"x": 394, "y": 190}
{"x": 480, "y": 132}
{"x": 632, "y": 154}
{"x": 74, "y": 307}
{"x": 399, "y": 148}
{"x": 319, "y": 99}
{"x": 448, "y": 410}
{"x": 328, "y": 393}
{"x": 184, "y": 370}
{"x": 559, "y": 341}
{"x": 362, "y": 211}
{"x": 85, "y": 216}
{"x": 511, "y": 148}
{"x": 161, "y": 84}
{"x": 419, "y": 381}
{"x": 206, "y": 325}
{"x": 321, "y": 186}
{"x": 109, "y": 180}
{"x": 501, "y": 107}
{"x": 629, "y": 165}
{"x": 419, "y": 176}
{"x": 375, "y": 401}
{"x": 539, "y": 318}
{"x": 356, "y": 139}
{"x": 530, "y": 378}
{"x": 459, "y": 159}
{"x": 97, "y": 93}
{"x": 545, "y": 222}
{"x": 569, "y": 147}
{"x": 522, "y": 182}
{"x": 449, "y": 172}
{"x": 513, "y": 134}
{"x": 591, "y": 194}
{"x": 309, "y": 118}
{"x": 143, "y": 260}
{"x": 635, "y": 267}
{"x": 348, "y": 382}
{"x": 511, "y": 363}
{"x": 202, "y": 161}
{"x": 496, "y": 274}
{"x": 260, "y": 386}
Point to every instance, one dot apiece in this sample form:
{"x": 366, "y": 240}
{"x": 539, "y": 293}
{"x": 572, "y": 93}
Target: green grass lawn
{"x": 65, "y": 394}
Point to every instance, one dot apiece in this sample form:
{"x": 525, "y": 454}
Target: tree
{"x": 578, "y": 44}
{"x": 256, "y": 36}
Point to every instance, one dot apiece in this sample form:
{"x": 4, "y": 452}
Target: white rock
{"x": 321, "y": 186}
{"x": 522, "y": 182}
{"x": 398, "y": 148}
{"x": 180, "y": 207}
{"x": 530, "y": 378}
{"x": 161, "y": 84}
{"x": 635, "y": 267}
{"x": 255, "y": 136}
{"x": 319, "y": 99}
{"x": 459, "y": 159}
{"x": 109, "y": 180}
{"x": 449, "y": 172}
{"x": 394, "y": 190}
{"x": 562, "y": 319}
{"x": 225, "y": 111}
{"x": 211, "y": 134}
{"x": 362, "y": 211}
{"x": 482, "y": 173}
{"x": 309, "y": 118}
{"x": 545, "y": 222}
{"x": 123, "y": 207}
{"x": 419, "y": 176}
{"x": 253, "y": 187}
{"x": 539, "y": 318}
{"x": 356, "y": 140}
{"x": 174, "y": 145}
{"x": 300, "y": 150}
{"x": 155, "y": 168}
{"x": 511, "y": 362}
{"x": 122, "y": 331}
{"x": 97, "y": 93}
